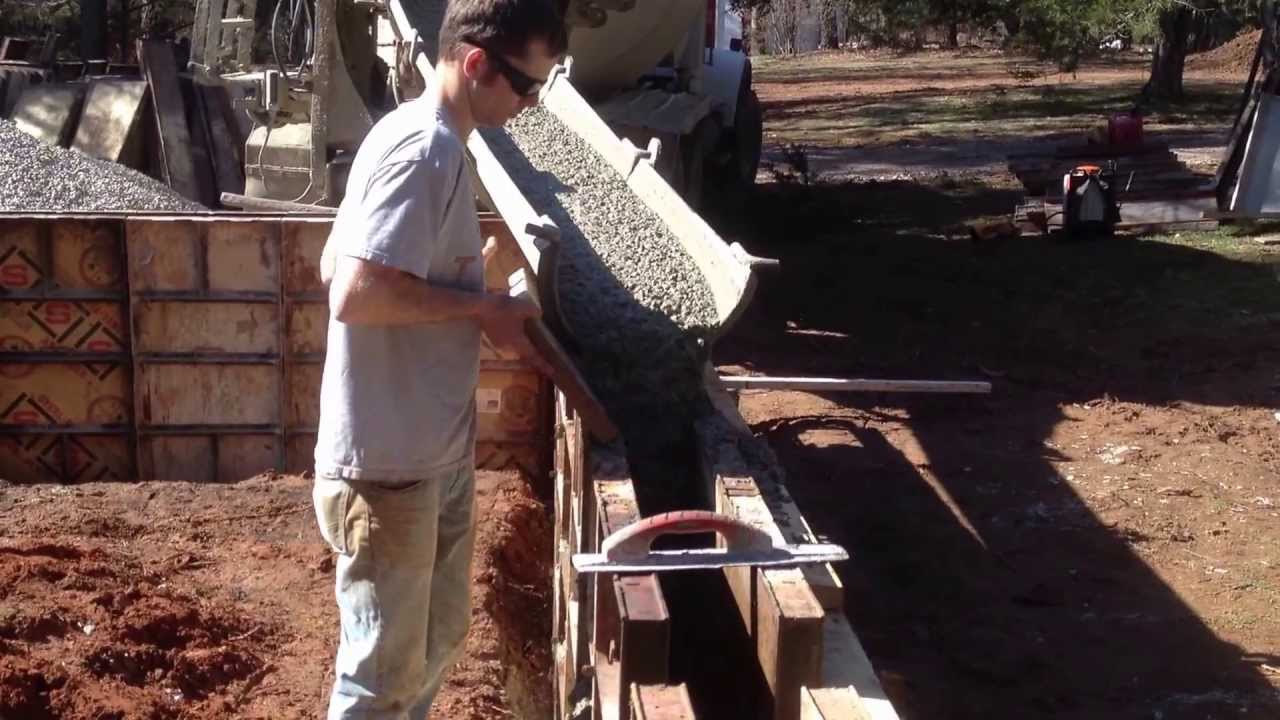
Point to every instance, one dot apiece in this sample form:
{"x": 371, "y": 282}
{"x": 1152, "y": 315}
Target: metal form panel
{"x": 190, "y": 348}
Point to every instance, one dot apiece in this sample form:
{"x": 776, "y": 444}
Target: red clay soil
{"x": 176, "y": 600}
{"x": 1231, "y": 59}
{"x": 1098, "y": 539}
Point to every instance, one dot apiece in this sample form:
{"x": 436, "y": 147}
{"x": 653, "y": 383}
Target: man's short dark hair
{"x": 505, "y": 26}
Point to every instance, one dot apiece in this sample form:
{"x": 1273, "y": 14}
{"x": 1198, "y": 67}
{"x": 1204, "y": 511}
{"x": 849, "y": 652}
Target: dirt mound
{"x": 1233, "y": 58}
{"x": 88, "y": 632}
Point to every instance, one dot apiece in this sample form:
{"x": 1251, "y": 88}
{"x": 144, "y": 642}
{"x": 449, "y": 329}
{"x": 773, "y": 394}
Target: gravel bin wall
{"x": 38, "y": 177}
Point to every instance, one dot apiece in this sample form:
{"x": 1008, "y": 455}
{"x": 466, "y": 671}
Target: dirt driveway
{"x": 1099, "y": 538}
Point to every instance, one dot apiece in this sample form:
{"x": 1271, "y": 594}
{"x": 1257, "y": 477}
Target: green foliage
{"x": 37, "y": 18}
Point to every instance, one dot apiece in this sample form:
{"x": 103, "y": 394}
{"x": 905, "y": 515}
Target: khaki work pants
{"x": 403, "y": 588}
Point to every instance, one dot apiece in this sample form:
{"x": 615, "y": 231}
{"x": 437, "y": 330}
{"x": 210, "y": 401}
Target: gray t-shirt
{"x": 398, "y": 402}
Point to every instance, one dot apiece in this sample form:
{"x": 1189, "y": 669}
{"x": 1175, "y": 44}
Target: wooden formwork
{"x": 612, "y": 633}
{"x": 189, "y": 347}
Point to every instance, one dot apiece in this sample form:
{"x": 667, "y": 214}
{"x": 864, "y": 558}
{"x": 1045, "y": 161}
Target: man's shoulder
{"x": 414, "y": 133}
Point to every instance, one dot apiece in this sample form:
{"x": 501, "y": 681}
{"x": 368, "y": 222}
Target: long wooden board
{"x": 661, "y": 702}
{"x": 631, "y": 633}
{"x": 803, "y": 644}
{"x": 176, "y": 164}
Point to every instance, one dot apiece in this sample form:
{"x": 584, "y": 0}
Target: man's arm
{"x": 363, "y": 292}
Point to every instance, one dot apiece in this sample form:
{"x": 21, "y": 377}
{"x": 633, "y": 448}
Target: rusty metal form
{"x": 188, "y": 347}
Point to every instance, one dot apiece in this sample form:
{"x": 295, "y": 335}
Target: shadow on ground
{"x": 970, "y": 606}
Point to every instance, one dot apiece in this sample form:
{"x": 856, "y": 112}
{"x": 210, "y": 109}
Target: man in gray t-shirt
{"x": 394, "y": 456}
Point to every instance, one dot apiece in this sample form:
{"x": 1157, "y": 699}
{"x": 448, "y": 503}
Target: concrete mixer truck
{"x": 671, "y": 70}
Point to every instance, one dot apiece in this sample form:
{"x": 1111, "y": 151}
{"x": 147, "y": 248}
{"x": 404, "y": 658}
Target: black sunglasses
{"x": 522, "y": 84}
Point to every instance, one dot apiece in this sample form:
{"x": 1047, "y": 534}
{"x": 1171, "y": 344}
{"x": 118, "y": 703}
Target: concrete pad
{"x": 112, "y": 110}
{"x": 49, "y": 112}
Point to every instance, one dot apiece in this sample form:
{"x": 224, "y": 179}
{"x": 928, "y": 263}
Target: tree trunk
{"x": 831, "y": 24}
{"x": 123, "y": 21}
{"x": 757, "y": 33}
{"x": 93, "y": 30}
{"x": 1170, "y": 55}
{"x": 1012, "y": 22}
{"x": 953, "y": 34}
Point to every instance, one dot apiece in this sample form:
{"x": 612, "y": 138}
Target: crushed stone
{"x": 38, "y": 177}
{"x": 635, "y": 302}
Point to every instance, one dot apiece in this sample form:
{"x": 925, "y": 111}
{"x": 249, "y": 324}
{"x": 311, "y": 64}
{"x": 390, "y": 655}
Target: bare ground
{"x": 178, "y": 600}
{"x": 887, "y": 115}
{"x": 1099, "y": 538}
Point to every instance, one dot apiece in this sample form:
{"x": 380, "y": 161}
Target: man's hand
{"x": 505, "y": 329}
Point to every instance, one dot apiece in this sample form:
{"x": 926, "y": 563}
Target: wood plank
{"x": 228, "y": 169}
{"x": 244, "y": 36}
{"x": 845, "y": 665}
{"x": 631, "y": 629}
{"x": 778, "y": 608}
{"x": 832, "y": 704}
{"x": 49, "y": 112}
{"x": 176, "y": 164}
{"x": 763, "y": 597}
{"x": 661, "y": 702}
{"x": 564, "y": 374}
{"x": 201, "y": 144}
{"x": 245, "y": 202}
{"x": 822, "y": 579}
{"x": 199, "y": 32}
{"x": 830, "y": 384}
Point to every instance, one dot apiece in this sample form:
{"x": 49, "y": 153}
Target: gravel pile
{"x": 38, "y": 177}
{"x": 633, "y": 298}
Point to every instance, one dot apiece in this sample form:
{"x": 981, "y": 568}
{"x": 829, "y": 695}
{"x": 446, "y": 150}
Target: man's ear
{"x": 474, "y": 64}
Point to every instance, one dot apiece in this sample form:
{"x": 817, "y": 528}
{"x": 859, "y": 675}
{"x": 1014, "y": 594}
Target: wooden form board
{"x": 225, "y": 148}
{"x": 175, "y": 143}
{"x": 661, "y": 702}
{"x": 189, "y": 347}
{"x": 798, "y": 649}
{"x": 617, "y": 625}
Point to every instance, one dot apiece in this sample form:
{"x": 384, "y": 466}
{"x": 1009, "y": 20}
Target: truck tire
{"x": 696, "y": 149}
{"x": 748, "y": 136}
